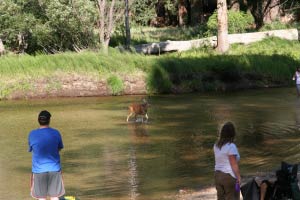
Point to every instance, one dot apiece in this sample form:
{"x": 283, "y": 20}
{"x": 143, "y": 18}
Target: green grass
{"x": 142, "y": 35}
{"x": 278, "y": 25}
{"x": 269, "y": 62}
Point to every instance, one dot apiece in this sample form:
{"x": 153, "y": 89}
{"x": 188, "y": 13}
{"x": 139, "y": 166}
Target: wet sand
{"x": 204, "y": 194}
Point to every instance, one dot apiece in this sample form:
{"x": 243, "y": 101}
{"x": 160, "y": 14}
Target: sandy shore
{"x": 204, "y": 194}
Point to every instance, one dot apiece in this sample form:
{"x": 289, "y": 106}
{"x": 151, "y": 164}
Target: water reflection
{"x": 133, "y": 174}
{"x": 139, "y": 135}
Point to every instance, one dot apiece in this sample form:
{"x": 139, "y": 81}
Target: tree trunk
{"x": 108, "y": 16}
{"x": 181, "y": 12}
{"x": 222, "y": 41}
{"x": 101, "y": 21}
{"x": 127, "y": 27}
{"x": 264, "y": 11}
{"x": 271, "y": 11}
{"x": 2, "y": 49}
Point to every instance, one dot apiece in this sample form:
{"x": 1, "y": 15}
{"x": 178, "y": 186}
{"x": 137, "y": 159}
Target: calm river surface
{"x": 106, "y": 158}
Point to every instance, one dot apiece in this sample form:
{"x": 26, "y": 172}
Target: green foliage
{"x": 70, "y": 23}
{"x": 171, "y": 6}
{"x": 238, "y": 22}
{"x": 47, "y": 25}
{"x": 14, "y": 24}
{"x": 143, "y": 11}
{"x": 276, "y": 25}
{"x": 116, "y": 84}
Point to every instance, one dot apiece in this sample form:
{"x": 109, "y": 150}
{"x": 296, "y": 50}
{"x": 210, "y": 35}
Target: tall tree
{"x": 223, "y": 43}
{"x": 109, "y": 13}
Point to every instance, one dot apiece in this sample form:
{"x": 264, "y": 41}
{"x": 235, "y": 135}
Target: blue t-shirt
{"x": 45, "y": 143}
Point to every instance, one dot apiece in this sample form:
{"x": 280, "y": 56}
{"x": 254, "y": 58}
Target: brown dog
{"x": 138, "y": 109}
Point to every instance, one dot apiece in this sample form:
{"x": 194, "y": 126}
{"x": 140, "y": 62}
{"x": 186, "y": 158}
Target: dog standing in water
{"x": 138, "y": 109}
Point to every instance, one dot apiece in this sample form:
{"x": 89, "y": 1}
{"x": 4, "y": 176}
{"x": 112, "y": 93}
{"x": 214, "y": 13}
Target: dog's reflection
{"x": 139, "y": 132}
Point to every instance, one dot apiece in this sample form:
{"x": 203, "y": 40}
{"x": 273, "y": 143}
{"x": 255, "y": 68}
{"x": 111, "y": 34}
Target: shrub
{"x": 238, "y": 22}
{"x": 115, "y": 84}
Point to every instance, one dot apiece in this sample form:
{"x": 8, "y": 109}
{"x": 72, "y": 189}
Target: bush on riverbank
{"x": 264, "y": 64}
{"x": 269, "y": 63}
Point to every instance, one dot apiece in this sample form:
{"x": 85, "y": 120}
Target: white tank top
{"x": 222, "y": 158}
{"x": 297, "y": 76}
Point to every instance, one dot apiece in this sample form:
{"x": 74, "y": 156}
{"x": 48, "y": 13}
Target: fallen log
{"x": 243, "y": 38}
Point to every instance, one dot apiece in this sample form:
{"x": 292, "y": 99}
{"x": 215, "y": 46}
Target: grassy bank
{"x": 267, "y": 63}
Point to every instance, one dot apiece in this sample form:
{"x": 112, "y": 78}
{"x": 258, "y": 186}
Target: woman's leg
{"x": 229, "y": 186}
{"x": 225, "y": 185}
{"x": 298, "y": 89}
{"x": 219, "y": 186}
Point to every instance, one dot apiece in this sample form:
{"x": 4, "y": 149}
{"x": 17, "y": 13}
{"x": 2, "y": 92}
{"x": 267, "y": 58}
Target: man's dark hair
{"x": 44, "y": 118}
{"x": 227, "y": 134}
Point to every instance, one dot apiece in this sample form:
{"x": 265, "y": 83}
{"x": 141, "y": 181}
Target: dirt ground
{"x": 204, "y": 194}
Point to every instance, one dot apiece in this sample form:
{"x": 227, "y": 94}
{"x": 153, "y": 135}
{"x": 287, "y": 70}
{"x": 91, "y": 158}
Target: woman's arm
{"x": 235, "y": 167}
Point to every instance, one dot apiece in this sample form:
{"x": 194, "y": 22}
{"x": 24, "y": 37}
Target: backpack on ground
{"x": 286, "y": 185}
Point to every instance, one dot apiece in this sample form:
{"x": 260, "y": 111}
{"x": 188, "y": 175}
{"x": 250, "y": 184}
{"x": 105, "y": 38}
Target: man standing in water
{"x": 45, "y": 144}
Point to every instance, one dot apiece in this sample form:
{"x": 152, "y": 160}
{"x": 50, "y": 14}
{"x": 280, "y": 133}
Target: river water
{"x": 106, "y": 158}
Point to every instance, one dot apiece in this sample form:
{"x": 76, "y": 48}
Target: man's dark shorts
{"x": 47, "y": 184}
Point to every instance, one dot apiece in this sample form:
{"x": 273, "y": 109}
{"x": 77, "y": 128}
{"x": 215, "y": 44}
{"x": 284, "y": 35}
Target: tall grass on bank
{"x": 270, "y": 62}
{"x": 86, "y": 62}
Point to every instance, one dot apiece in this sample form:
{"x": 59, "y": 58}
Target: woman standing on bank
{"x": 296, "y": 78}
{"x": 227, "y": 173}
